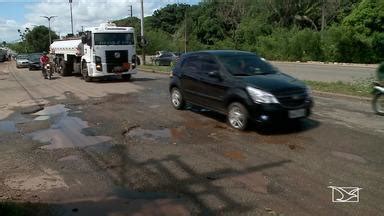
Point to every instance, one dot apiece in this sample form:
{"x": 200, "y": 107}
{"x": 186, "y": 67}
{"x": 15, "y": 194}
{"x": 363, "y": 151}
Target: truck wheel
{"x": 61, "y": 68}
{"x": 126, "y": 77}
{"x": 84, "y": 72}
{"x": 64, "y": 69}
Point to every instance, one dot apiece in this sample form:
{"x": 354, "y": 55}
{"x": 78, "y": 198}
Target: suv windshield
{"x": 114, "y": 39}
{"x": 246, "y": 65}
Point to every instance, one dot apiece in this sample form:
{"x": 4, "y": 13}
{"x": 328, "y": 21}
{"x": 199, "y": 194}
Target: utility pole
{"x": 130, "y": 10}
{"x": 185, "y": 31}
{"x": 142, "y": 33}
{"x": 49, "y": 26}
{"x": 323, "y": 15}
{"x": 70, "y": 6}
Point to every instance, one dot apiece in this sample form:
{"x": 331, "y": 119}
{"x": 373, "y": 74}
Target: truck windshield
{"x": 114, "y": 39}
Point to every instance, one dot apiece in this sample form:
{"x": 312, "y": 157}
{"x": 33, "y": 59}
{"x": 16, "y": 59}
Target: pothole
{"x": 8, "y": 126}
{"x": 65, "y": 131}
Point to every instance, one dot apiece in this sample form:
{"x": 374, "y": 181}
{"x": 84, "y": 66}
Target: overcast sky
{"x": 19, "y": 14}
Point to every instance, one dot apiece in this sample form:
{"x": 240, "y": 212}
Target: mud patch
{"x": 349, "y": 156}
{"x": 70, "y": 158}
{"x": 255, "y": 182}
{"x": 47, "y": 180}
{"x": 150, "y": 135}
{"x": 154, "y": 106}
{"x": 236, "y": 155}
{"x": 31, "y": 110}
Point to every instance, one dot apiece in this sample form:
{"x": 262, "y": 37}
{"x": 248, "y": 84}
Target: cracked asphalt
{"x": 119, "y": 148}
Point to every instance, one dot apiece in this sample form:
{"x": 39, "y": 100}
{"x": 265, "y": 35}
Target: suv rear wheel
{"x": 237, "y": 116}
{"x": 177, "y": 99}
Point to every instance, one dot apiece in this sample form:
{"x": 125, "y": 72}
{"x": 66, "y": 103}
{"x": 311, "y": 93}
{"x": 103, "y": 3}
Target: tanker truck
{"x": 106, "y": 50}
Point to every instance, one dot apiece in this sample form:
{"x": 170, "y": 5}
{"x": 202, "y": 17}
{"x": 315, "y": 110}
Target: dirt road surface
{"x": 114, "y": 147}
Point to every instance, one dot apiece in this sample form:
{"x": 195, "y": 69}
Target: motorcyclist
{"x": 44, "y": 59}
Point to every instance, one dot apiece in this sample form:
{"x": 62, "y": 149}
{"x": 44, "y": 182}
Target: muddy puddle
{"x": 8, "y": 126}
{"x": 65, "y": 131}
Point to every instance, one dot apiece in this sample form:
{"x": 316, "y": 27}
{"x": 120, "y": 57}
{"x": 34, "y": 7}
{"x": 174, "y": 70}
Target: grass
{"x": 163, "y": 69}
{"x": 361, "y": 88}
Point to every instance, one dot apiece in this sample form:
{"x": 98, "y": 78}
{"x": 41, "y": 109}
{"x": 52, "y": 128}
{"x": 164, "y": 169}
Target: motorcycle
{"x": 378, "y": 98}
{"x": 47, "y": 71}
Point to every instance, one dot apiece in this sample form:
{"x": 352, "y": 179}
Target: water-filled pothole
{"x": 65, "y": 131}
{"x": 8, "y": 126}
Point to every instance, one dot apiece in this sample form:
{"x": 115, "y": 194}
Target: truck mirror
{"x": 83, "y": 39}
{"x": 89, "y": 39}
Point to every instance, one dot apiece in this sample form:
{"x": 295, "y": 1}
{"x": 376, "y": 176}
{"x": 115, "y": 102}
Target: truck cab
{"x": 106, "y": 50}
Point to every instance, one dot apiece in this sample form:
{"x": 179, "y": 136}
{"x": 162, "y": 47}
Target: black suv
{"x": 239, "y": 84}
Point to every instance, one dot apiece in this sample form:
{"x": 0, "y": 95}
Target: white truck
{"x": 106, "y": 50}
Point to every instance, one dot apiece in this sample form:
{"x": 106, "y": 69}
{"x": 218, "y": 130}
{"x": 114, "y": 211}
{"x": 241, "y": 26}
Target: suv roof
{"x": 221, "y": 52}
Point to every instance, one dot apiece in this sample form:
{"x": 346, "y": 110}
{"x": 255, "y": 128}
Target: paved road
{"x": 119, "y": 147}
{"x": 326, "y": 72}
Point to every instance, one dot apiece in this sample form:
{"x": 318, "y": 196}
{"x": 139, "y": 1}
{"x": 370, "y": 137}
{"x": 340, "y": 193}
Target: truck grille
{"x": 116, "y": 59}
{"x": 292, "y": 99}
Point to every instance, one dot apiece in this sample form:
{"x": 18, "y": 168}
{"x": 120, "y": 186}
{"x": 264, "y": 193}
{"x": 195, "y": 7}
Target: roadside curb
{"x": 373, "y": 66}
{"x": 315, "y": 93}
{"x": 154, "y": 71}
{"x": 337, "y": 95}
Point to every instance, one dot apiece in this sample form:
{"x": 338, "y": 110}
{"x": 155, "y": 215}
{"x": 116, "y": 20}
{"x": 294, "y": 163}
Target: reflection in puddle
{"x": 41, "y": 118}
{"x": 52, "y": 110}
{"x": 150, "y": 135}
{"x": 65, "y": 132}
{"x": 7, "y": 126}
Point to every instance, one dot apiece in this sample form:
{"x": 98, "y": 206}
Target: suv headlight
{"x": 259, "y": 96}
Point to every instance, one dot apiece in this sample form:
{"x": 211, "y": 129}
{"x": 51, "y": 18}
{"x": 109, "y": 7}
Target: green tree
{"x": 367, "y": 17}
{"x": 129, "y": 22}
{"x": 37, "y": 39}
{"x": 168, "y": 18}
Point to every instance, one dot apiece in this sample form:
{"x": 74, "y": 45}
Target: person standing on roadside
{"x": 44, "y": 59}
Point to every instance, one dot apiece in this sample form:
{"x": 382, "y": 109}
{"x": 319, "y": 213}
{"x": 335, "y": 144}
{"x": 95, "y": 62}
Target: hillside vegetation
{"x": 328, "y": 30}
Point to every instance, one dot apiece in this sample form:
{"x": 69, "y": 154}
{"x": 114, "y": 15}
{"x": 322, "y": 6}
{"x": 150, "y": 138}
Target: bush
{"x": 159, "y": 40}
{"x": 293, "y": 45}
{"x": 343, "y": 44}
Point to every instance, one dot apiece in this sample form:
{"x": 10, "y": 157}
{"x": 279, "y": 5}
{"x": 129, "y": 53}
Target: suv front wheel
{"x": 237, "y": 116}
{"x": 177, "y": 99}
